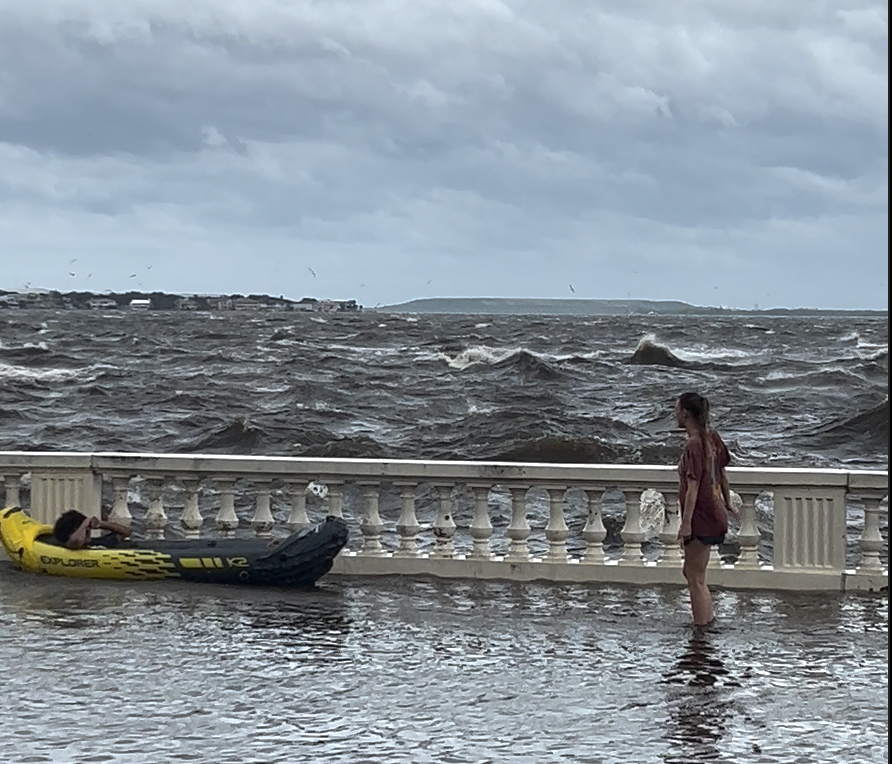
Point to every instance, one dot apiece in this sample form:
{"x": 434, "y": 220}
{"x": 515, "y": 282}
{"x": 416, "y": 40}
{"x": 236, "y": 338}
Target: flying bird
{"x": 71, "y": 273}
{"x": 73, "y": 260}
{"x": 148, "y": 267}
{"x": 89, "y": 274}
{"x": 311, "y": 271}
{"x": 572, "y": 289}
{"x": 133, "y": 275}
{"x": 429, "y": 281}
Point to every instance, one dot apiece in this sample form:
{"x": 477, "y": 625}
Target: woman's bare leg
{"x": 696, "y": 558}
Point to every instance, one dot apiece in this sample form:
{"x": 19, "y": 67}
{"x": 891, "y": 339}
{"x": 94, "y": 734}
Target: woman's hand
{"x": 684, "y": 533}
{"x": 732, "y": 510}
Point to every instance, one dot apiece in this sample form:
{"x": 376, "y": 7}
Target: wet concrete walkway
{"x": 394, "y": 671}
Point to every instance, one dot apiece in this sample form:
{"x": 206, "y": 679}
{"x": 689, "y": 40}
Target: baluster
{"x": 156, "y": 517}
{"x": 871, "y": 541}
{"x": 481, "y": 527}
{"x": 556, "y": 532}
{"x": 120, "y": 511}
{"x": 518, "y": 531}
{"x": 594, "y": 532}
{"x": 371, "y": 525}
{"x": 12, "y": 484}
{"x": 748, "y": 536}
{"x": 672, "y": 554}
{"x": 263, "y": 520}
{"x": 407, "y": 526}
{"x": 298, "y": 519}
{"x": 192, "y": 519}
{"x": 444, "y": 525}
{"x": 335, "y": 498}
{"x": 632, "y": 534}
{"x": 226, "y": 520}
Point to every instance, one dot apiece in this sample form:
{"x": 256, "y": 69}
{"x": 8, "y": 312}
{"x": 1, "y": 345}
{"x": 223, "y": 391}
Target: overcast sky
{"x": 720, "y": 153}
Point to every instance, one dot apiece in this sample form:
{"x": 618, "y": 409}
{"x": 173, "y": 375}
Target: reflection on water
{"x": 698, "y": 703}
{"x": 399, "y": 671}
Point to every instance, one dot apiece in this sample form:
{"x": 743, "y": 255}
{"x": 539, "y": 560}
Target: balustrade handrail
{"x": 647, "y": 476}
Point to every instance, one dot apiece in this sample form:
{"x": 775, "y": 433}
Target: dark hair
{"x": 697, "y": 406}
{"x": 67, "y": 524}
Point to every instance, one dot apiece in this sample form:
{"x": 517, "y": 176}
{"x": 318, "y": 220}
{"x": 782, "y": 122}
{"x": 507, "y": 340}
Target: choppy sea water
{"x": 804, "y": 391}
{"x": 399, "y": 671}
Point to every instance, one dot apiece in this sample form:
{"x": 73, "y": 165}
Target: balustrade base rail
{"x": 577, "y": 572}
{"x": 803, "y": 547}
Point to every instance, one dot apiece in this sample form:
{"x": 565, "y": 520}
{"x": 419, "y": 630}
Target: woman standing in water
{"x": 703, "y": 496}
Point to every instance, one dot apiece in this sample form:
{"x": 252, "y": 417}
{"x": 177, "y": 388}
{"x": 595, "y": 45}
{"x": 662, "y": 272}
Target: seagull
{"x": 148, "y": 267}
{"x": 429, "y": 281}
{"x": 89, "y": 274}
{"x": 572, "y": 289}
{"x": 73, "y": 260}
{"x": 71, "y": 273}
{"x": 311, "y": 271}
{"x": 133, "y": 275}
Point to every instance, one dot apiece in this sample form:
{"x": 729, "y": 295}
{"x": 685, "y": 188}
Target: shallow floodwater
{"x": 389, "y": 670}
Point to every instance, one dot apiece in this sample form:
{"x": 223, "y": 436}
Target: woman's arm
{"x": 726, "y": 495}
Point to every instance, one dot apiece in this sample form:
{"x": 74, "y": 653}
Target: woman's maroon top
{"x": 710, "y": 517}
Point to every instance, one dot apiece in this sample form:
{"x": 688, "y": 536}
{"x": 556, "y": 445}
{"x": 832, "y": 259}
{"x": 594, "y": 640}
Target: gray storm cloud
{"x": 694, "y": 151}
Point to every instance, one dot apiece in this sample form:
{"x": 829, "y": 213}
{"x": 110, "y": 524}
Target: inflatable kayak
{"x": 300, "y": 559}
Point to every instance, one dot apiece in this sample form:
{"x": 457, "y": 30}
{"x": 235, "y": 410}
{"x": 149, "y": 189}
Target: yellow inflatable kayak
{"x": 300, "y": 559}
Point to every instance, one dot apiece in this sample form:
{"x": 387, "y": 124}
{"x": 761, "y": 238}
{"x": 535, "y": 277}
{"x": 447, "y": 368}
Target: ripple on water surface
{"x": 398, "y": 671}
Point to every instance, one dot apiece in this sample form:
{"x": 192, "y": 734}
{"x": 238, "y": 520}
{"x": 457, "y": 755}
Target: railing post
{"x": 335, "y": 497}
{"x": 632, "y": 534}
{"x": 672, "y": 554}
{"x": 371, "y": 525}
{"x": 810, "y": 530}
{"x": 298, "y": 519}
{"x": 871, "y": 541}
{"x": 556, "y": 532}
{"x": 263, "y": 520}
{"x": 191, "y": 519}
{"x": 12, "y": 483}
{"x": 594, "y": 533}
{"x": 227, "y": 520}
{"x": 120, "y": 511}
{"x": 518, "y": 531}
{"x": 156, "y": 517}
{"x": 444, "y": 525}
{"x": 407, "y": 526}
{"x": 481, "y": 527}
{"x": 748, "y": 536}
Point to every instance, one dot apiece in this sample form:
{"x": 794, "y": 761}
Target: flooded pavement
{"x": 394, "y": 671}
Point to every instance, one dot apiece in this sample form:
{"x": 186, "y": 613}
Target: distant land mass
{"x": 580, "y": 307}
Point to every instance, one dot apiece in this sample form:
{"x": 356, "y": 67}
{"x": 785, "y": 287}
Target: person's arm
{"x": 726, "y": 495}
{"x": 687, "y": 514}
{"x": 109, "y": 525}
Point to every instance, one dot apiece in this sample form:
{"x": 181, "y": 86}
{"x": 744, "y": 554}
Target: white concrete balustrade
{"x": 809, "y": 513}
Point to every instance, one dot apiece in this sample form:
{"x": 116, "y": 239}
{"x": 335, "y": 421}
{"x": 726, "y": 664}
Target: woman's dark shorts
{"x": 708, "y": 540}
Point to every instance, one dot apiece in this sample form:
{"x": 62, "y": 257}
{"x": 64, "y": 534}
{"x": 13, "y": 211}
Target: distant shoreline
{"x": 595, "y": 307}
{"x": 521, "y": 306}
{"x": 134, "y": 300}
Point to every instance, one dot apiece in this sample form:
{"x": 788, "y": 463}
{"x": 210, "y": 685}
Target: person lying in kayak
{"x": 74, "y": 530}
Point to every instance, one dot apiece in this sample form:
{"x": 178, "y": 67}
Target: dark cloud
{"x": 602, "y": 137}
